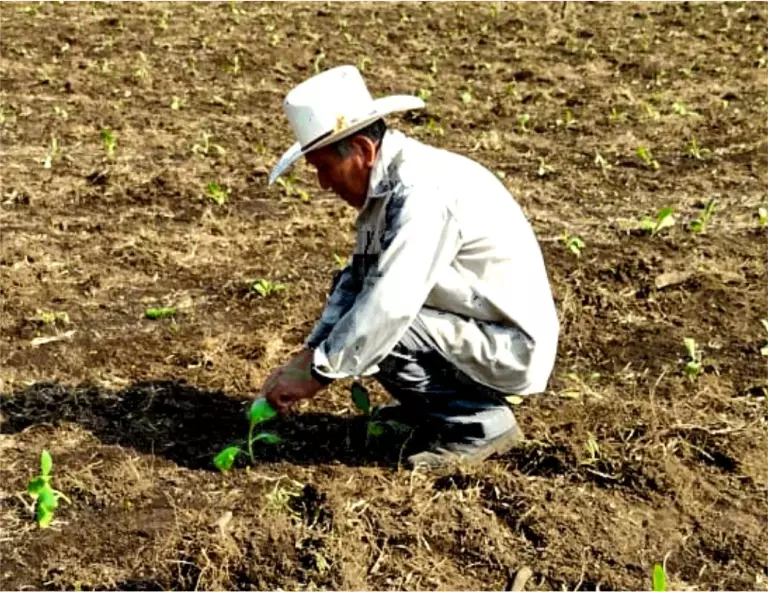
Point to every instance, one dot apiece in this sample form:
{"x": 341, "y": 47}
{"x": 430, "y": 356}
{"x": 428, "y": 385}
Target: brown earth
{"x": 629, "y": 462}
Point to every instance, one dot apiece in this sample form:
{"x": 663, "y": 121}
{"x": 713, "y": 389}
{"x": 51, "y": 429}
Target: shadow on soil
{"x": 189, "y": 426}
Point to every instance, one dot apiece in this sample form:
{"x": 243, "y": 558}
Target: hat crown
{"x": 327, "y": 102}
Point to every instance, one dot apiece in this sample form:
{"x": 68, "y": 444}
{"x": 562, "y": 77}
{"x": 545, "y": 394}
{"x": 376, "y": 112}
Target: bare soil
{"x": 629, "y": 461}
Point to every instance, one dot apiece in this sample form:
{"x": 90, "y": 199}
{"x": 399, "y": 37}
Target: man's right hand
{"x": 291, "y": 383}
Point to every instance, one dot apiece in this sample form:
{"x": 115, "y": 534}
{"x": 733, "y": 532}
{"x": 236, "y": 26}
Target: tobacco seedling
{"x": 681, "y": 109}
{"x": 523, "y": 119}
{"x": 695, "y": 151}
{"x": 160, "y": 313}
{"x": 341, "y": 262}
{"x": 264, "y": 287}
{"x": 602, "y": 163}
{"x": 544, "y": 168}
{"x": 466, "y": 97}
{"x": 659, "y": 578}
{"x": 700, "y": 223}
{"x": 764, "y": 349}
{"x": 664, "y": 219}
{"x": 693, "y": 365}
{"x": 259, "y": 412}
{"x": 647, "y": 158}
{"x": 573, "y": 243}
{"x": 217, "y": 193}
{"x": 109, "y": 141}
{"x": 363, "y": 402}
{"x": 762, "y": 216}
{"x": 43, "y": 493}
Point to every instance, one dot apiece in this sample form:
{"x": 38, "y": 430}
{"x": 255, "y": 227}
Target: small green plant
{"x": 647, "y": 158}
{"x": 617, "y": 116}
{"x": 110, "y": 141}
{"x": 466, "y": 97}
{"x": 544, "y": 169}
{"x": 764, "y": 349}
{"x": 176, "y": 103}
{"x": 693, "y": 363}
{"x": 522, "y": 121}
{"x": 264, "y": 287}
{"x": 682, "y": 110}
{"x": 205, "y": 147}
{"x": 289, "y": 184}
{"x": 695, "y": 151}
{"x": 659, "y": 578}
{"x": 567, "y": 120}
{"x": 434, "y": 128}
{"x": 573, "y": 243}
{"x": 374, "y": 427}
{"x": 664, "y": 219}
{"x": 424, "y": 93}
{"x": 363, "y": 63}
{"x": 259, "y": 412}
{"x": 43, "y": 493}
{"x": 160, "y": 313}
{"x": 762, "y": 216}
{"x": 49, "y": 317}
{"x": 602, "y": 163}
{"x": 216, "y": 193}
{"x": 341, "y": 262}
{"x": 700, "y": 223}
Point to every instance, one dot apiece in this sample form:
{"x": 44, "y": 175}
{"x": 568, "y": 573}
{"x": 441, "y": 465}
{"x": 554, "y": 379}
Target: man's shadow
{"x": 189, "y": 426}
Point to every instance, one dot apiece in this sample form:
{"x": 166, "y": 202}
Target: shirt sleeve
{"x": 421, "y": 240}
{"x": 343, "y": 294}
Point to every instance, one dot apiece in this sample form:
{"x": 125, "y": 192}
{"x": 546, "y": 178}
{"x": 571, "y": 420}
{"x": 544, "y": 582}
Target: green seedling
{"x": 434, "y": 128}
{"x": 264, "y": 287}
{"x": 375, "y": 427}
{"x": 695, "y": 151}
{"x": 110, "y": 141}
{"x": 700, "y": 223}
{"x": 573, "y": 243}
{"x": 43, "y": 493}
{"x": 523, "y": 120}
{"x": 764, "y": 349}
{"x": 176, "y": 103}
{"x": 544, "y": 168}
{"x": 206, "y": 147}
{"x": 47, "y": 317}
{"x": 341, "y": 262}
{"x": 617, "y": 116}
{"x": 664, "y": 219}
{"x": 217, "y": 193}
{"x": 259, "y": 412}
{"x": 424, "y": 94}
{"x": 160, "y": 313}
{"x": 693, "y": 365}
{"x": 647, "y": 158}
{"x": 363, "y": 62}
{"x": 466, "y": 97}
{"x": 290, "y": 188}
{"x": 659, "y": 578}
{"x": 682, "y": 110}
{"x": 762, "y": 216}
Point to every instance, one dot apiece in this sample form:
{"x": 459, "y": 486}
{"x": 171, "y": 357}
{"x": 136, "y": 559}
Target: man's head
{"x": 344, "y": 167}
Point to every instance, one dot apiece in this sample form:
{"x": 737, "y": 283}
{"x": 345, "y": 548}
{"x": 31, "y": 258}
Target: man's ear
{"x": 367, "y": 148}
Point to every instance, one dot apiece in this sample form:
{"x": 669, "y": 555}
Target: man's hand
{"x": 291, "y": 382}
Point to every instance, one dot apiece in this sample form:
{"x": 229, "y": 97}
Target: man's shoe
{"x": 453, "y": 453}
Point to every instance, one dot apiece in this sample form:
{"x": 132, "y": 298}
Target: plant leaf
{"x": 659, "y": 578}
{"x": 261, "y": 411}
{"x": 375, "y": 429}
{"x": 226, "y": 458}
{"x": 360, "y": 397}
{"x": 36, "y": 485}
{"x": 690, "y": 347}
{"x": 47, "y": 499}
{"x": 46, "y": 463}
{"x": 267, "y": 437}
{"x": 159, "y": 313}
{"x": 764, "y": 323}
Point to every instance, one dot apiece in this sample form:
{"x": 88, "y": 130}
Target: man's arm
{"x": 343, "y": 294}
{"x": 423, "y": 240}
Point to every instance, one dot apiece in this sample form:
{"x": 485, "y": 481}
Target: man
{"x": 446, "y": 301}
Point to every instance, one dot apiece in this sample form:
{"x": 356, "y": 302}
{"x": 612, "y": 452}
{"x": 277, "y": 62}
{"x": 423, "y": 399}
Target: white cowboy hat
{"x": 330, "y": 106}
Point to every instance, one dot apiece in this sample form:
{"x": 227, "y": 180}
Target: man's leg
{"x": 434, "y": 393}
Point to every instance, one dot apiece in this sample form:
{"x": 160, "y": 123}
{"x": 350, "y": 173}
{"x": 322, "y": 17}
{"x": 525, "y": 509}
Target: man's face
{"x": 346, "y": 177}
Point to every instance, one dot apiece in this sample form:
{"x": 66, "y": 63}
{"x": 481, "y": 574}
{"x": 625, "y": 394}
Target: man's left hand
{"x": 291, "y": 383}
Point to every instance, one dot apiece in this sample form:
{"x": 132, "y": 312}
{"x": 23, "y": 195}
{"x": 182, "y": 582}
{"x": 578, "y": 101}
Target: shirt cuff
{"x": 321, "y": 378}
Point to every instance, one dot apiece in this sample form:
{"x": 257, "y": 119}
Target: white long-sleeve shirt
{"x": 439, "y": 233}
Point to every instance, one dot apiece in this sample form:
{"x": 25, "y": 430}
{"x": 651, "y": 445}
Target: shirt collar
{"x": 391, "y": 147}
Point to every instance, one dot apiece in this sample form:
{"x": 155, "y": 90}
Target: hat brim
{"x": 381, "y": 107}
